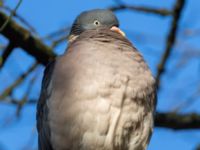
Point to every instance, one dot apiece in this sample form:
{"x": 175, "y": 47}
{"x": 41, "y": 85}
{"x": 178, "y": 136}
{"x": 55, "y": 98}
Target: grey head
{"x": 93, "y": 19}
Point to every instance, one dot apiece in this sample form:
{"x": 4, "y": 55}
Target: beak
{"x": 116, "y": 29}
{"x": 71, "y": 38}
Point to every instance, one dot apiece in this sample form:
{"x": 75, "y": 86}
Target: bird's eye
{"x": 96, "y": 22}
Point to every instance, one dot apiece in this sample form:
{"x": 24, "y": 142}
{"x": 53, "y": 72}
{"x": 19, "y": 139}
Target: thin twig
{"x": 16, "y": 101}
{"x": 25, "y": 40}
{"x": 161, "y": 12}
{"x": 9, "y": 90}
{"x": 187, "y": 103}
{"x": 21, "y": 19}
{"x": 170, "y": 39}
{"x": 24, "y": 100}
{"x": 11, "y": 15}
{"x": 57, "y": 33}
{"x": 58, "y": 41}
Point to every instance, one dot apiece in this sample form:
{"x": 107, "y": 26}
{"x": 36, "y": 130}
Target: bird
{"x": 100, "y": 94}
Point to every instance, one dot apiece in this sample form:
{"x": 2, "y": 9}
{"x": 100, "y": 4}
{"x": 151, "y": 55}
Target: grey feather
{"x": 44, "y": 142}
{"x": 102, "y": 96}
{"x": 99, "y": 95}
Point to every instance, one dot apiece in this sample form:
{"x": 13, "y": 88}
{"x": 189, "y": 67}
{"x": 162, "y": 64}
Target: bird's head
{"x": 94, "y": 19}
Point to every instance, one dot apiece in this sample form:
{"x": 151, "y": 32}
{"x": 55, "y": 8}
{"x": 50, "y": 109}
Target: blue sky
{"x": 148, "y": 33}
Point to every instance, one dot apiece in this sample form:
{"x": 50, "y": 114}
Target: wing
{"x": 44, "y": 142}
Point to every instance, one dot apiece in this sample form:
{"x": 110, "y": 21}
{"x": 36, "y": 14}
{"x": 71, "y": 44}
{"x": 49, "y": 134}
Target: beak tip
{"x": 118, "y": 30}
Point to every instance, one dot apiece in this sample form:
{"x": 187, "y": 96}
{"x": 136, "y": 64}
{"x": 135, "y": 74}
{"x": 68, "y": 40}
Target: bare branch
{"x": 161, "y": 12}
{"x": 11, "y": 15}
{"x": 21, "y": 19}
{"x": 24, "y": 39}
{"x": 16, "y": 101}
{"x": 9, "y": 90}
{"x": 58, "y": 41}
{"x": 1, "y": 3}
{"x": 171, "y": 38}
{"x": 187, "y": 103}
{"x": 6, "y": 53}
{"x": 178, "y": 121}
{"x": 198, "y": 147}
{"x": 59, "y": 32}
{"x": 24, "y": 100}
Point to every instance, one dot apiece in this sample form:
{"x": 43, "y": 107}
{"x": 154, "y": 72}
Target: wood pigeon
{"x": 100, "y": 94}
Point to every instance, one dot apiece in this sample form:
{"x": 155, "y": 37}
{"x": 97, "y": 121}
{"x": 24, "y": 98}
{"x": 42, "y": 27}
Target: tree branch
{"x": 170, "y": 39}
{"x": 10, "y": 17}
{"x": 198, "y": 147}
{"x": 177, "y": 121}
{"x": 9, "y": 90}
{"x": 21, "y": 19}
{"x": 26, "y": 41}
{"x": 8, "y": 50}
{"x": 161, "y": 12}
{"x": 17, "y": 101}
